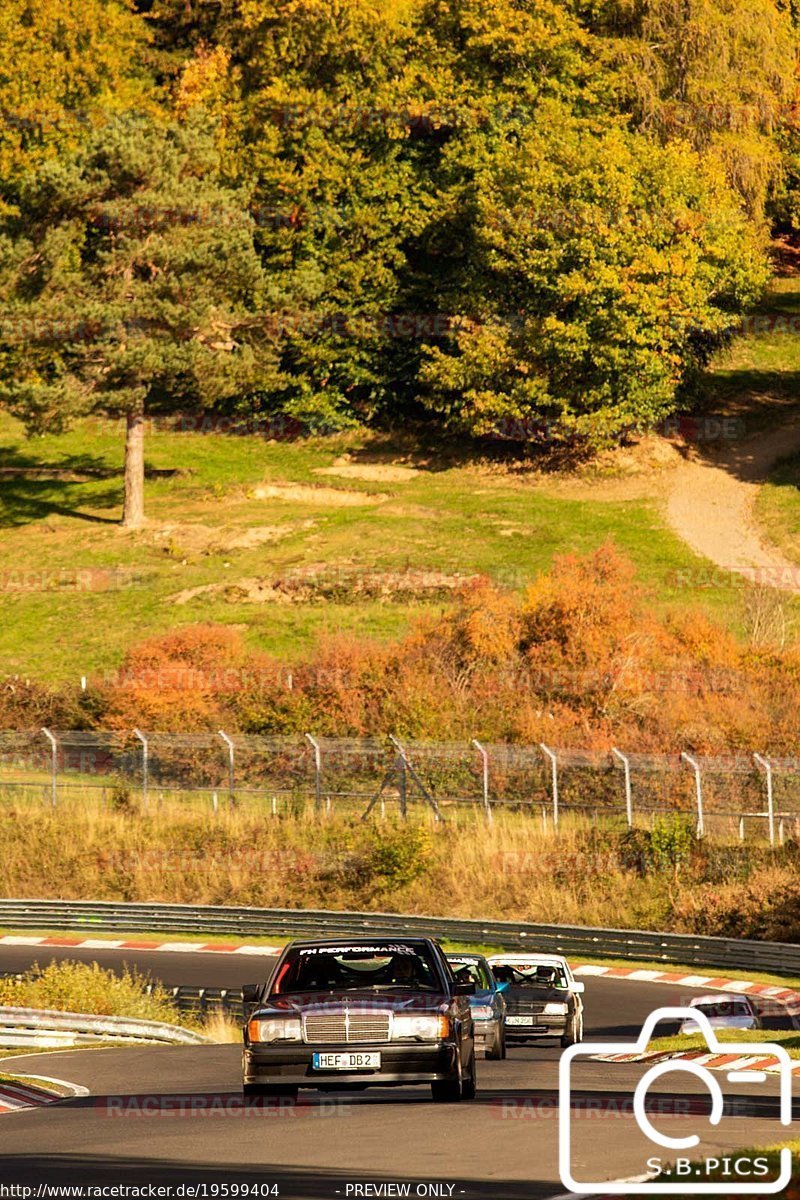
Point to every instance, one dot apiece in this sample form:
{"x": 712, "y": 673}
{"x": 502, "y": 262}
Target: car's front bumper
{"x": 487, "y": 1033}
{"x": 291, "y": 1065}
{"x": 541, "y": 1026}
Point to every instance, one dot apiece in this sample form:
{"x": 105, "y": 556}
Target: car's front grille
{"x": 343, "y": 1028}
{"x": 524, "y": 1007}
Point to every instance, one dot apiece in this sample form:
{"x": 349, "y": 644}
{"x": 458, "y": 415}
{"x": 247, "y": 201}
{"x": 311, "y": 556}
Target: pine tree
{"x": 132, "y": 286}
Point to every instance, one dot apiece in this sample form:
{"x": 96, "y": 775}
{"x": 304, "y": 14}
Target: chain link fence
{"x": 748, "y": 795}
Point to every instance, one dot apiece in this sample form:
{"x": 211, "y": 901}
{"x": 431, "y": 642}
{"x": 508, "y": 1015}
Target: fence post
{"x": 554, "y": 780}
{"x": 53, "y": 766}
{"x": 628, "y": 797}
{"x": 145, "y": 765}
{"x": 485, "y": 760}
{"x": 231, "y": 762}
{"x": 698, "y": 785}
{"x": 767, "y": 765}
{"x": 317, "y": 771}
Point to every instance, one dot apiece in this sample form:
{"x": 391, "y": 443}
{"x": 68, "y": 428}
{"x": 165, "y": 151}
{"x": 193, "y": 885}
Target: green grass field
{"x": 461, "y": 519}
{"x": 60, "y": 498}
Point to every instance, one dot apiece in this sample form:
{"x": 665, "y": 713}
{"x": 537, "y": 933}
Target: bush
{"x": 88, "y": 988}
{"x": 400, "y": 855}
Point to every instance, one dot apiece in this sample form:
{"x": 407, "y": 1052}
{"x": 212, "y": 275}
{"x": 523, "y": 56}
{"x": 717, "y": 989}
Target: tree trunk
{"x": 133, "y": 507}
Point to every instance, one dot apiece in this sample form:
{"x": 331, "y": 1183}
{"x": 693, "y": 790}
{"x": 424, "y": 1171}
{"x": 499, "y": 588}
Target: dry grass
{"x": 222, "y": 1029}
{"x": 87, "y": 988}
{"x": 513, "y": 869}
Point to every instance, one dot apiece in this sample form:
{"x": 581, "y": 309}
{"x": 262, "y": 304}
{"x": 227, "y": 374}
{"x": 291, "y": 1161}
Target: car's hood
{"x": 524, "y": 991}
{"x": 304, "y": 1002}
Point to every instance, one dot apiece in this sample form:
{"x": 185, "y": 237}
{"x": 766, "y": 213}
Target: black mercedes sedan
{"x": 356, "y": 1013}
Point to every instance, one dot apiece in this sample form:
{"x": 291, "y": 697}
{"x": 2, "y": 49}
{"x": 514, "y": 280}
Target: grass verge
{"x": 789, "y": 1039}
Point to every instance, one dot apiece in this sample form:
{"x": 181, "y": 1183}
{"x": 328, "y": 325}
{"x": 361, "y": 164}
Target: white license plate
{"x": 520, "y": 1020}
{"x": 351, "y": 1060}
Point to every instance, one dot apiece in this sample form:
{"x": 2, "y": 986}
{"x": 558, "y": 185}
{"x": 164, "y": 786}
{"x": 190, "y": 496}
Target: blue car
{"x": 487, "y": 1004}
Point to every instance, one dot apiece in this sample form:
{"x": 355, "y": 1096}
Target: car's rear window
{"x": 390, "y": 966}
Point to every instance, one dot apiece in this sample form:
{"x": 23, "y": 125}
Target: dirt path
{"x": 710, "y": 506}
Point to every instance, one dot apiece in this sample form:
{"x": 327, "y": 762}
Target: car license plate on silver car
{"x": 352, "y": 1060}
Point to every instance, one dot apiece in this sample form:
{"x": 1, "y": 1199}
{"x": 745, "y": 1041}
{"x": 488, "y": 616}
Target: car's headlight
{"x": 275, "y": 1029}
{"x": 421, "y": 1029}
{"x": 556, "y": 1010}
{"x": 482, "y": 1012}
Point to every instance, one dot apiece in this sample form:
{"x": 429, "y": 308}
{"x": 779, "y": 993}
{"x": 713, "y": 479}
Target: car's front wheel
{"x": 574, "y": 1032}
{"x": 451, "y": 1091}
{"x": 498, "y": 1047}
{"x": 469, "y": 1086}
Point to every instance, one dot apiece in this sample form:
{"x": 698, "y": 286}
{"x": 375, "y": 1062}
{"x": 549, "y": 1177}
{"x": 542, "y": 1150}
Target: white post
{"x": 145, "y": 764}
{"x": 53, "y": 766}
{"x": 485, "y": 760}
{"x": 698, "y": 785}
{"x": 628, "y": 797}
{"x": 554, "y": 779}
{"x": 767, "y": 765}
{"x": 231, "y": 762}
{"x": 317, "y": 772}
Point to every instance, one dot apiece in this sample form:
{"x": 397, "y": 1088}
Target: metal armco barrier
{"x": 29, "y": 1026}
{"x": 780, "y": 958}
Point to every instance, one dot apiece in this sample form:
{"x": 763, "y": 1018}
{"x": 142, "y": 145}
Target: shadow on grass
{"x": 31, "y": 490}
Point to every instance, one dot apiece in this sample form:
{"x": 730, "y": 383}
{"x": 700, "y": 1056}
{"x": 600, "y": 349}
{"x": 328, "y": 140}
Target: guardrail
{"x": 35, "y": 1027}
{"x": 779, "y": 958}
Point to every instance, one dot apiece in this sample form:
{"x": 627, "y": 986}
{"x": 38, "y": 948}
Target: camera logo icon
{"x": 687, "y": 1186}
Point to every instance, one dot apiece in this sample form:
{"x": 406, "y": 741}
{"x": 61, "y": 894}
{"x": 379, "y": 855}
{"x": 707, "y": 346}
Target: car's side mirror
{"x": 251, "y": 993}
{"x": 501, "y": 987}
{"x": 578, "y": 987}
{"x": 464, "y": 987}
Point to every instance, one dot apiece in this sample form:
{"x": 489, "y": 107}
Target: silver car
{"x": 724, "y": 1011}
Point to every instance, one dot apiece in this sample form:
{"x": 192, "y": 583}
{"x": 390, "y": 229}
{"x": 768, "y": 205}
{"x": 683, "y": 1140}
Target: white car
{"x": 543, "y": 998}
{"x": 724, "y": 1010}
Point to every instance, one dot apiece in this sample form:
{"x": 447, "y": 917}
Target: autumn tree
{"x": 132, "y": 286}
{"x": 74, "y": 62}
{"x": 716, "y": 73}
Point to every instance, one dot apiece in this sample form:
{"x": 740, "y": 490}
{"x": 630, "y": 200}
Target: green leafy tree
{"x": 604, "y": 266}
{"x": 132, "y": 286}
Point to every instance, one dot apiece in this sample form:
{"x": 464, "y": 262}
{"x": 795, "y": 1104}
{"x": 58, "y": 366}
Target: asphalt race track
{"x": 174, "y": 1115}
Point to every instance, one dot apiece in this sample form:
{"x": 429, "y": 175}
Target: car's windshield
{"x": 476, "y": 971}
{"x": 392, "y": 966}
{"x": 531, "y": 974}
{"x": 724, "y": 1008}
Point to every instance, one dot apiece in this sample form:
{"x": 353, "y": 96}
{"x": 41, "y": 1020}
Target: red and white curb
{"x": 137, "y": 944}
{"x": 17, "y": 1097}
{"x": 787, "y": 997}
{"x": 715, "y": 1062}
